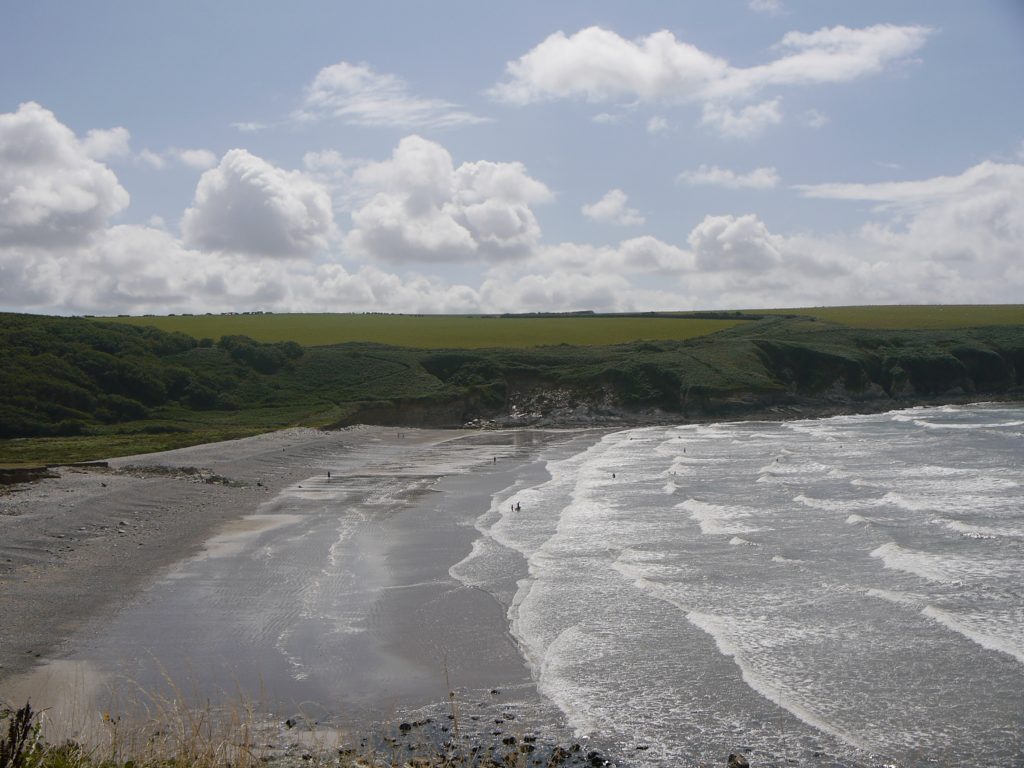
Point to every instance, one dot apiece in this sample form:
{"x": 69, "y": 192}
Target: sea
{"x": 844, "y": 591}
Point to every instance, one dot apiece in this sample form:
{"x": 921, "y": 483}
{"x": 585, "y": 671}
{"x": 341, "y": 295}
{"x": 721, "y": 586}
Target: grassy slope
{"x": 435, "y": 331}
{"x": 93, "y": 390}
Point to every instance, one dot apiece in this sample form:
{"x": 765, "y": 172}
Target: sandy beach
{"x": 241, "y": 568}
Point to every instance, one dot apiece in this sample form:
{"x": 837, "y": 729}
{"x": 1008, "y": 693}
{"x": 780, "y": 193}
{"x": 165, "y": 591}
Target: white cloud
{"x": 977, "y": 181}
{"x": 562, "y": 291}
{"x": 200, "y": 159}
{"x": 972, "y": 223}
{"x": 947, "y": 239}
{"x": 153, "y": 159}
{"x": 246, "y": 205}
{"x": 421, "y": 207}
{"x": 759, "y": 178}
{"x": 357, "y": 95}
{"x": 770, "y": 7}
{"x": 101, "y": 144}
{"x": 51, "y": 190}
{"x": 815, "y": 119}
{"x": 744, "y": 123}
{"x": 637, "y": 255}
{"x": 329, "y": 163}
{"x": 735, "y": 242}
{"x": 597, "y": 65}
{"x": 136, "y": 270}
{"x": 197, "y": 159}
{"x": 657, "y": 124}
{"x": 606, "y": 118}
{"x": 612, "y": 209}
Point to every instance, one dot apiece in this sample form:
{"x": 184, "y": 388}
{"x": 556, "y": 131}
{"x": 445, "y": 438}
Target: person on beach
{"x": 518, "y": 507}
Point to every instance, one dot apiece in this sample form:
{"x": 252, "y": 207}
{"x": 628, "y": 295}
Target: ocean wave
{"x": 730, "y": 643}
{"x": 943, "y": 569}
{"x": 980, "y": 531}
{"x": 995, "y": 633}
{"x": 717, "y": 519}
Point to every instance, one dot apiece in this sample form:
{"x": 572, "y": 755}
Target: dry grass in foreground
{"x": 174, "y": 736}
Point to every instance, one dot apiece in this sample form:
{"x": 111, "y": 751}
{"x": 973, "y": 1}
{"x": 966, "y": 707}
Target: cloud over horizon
{"x": 260, "y": 236}
{"x": 423, "y": 208}
{"x": 52, "y": 190}
{"x": 247, "y": 205}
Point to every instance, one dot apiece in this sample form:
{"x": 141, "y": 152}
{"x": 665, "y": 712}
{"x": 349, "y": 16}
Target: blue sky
{"x": 465, "y": 157}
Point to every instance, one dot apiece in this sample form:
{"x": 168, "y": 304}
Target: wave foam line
{"x": 925, "y": 565}
{"x": 986, "y": 640}
{"x": 718, "y": 628}
{"x": 716, "y": 519}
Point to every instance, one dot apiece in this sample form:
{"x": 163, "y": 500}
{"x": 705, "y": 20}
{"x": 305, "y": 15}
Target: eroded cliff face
{"x": 816, "y": 374}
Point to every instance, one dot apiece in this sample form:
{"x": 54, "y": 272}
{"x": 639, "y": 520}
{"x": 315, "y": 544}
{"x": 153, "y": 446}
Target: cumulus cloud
{"x": 612, "y": 209}
{"x": 955, "y": 238}
{"x": 357, "y": 95}
{"x": 135, "y": 269}
{"x": 735, "y": 242}
{"x": 246, "y": 205}
{"x": 420, "y": 207}
{"x": 636, "y": 256}
{"x": 744, "y": 123}
{"x": 759, "y": 178}
{"x": 973, "y": 222}
{"x": 52, "y": 190}
{"x": 101, "y": 144}
{"x": 598, "y": 66}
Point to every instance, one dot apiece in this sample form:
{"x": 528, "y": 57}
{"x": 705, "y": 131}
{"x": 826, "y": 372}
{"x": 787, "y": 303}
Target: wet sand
{"x": 260, "y": 577}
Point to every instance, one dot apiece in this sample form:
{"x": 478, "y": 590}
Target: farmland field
{"x": 915, "y": 317}
{"x": 436, "y": 331}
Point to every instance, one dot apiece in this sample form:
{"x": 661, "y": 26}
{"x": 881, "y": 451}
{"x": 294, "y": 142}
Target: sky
{"x": 465, "y": 157}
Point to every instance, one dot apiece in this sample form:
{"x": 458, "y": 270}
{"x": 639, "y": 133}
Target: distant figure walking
{"x": 328, "y": 474}
{"x": 495, "y": 459}
{"x": 613, "y": 475}
{"x": 518, "y": 507}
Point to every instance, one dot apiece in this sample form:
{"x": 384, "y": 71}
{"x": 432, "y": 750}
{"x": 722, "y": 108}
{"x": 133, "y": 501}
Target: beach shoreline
{"x": 82, "y": 549}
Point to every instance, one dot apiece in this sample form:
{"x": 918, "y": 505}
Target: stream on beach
{"x": 843, "y": 591}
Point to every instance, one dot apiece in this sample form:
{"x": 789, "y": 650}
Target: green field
{"x": 436, "y": 331}
{"x": 489, "y": 332}
{"x": 915, "y": 317}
